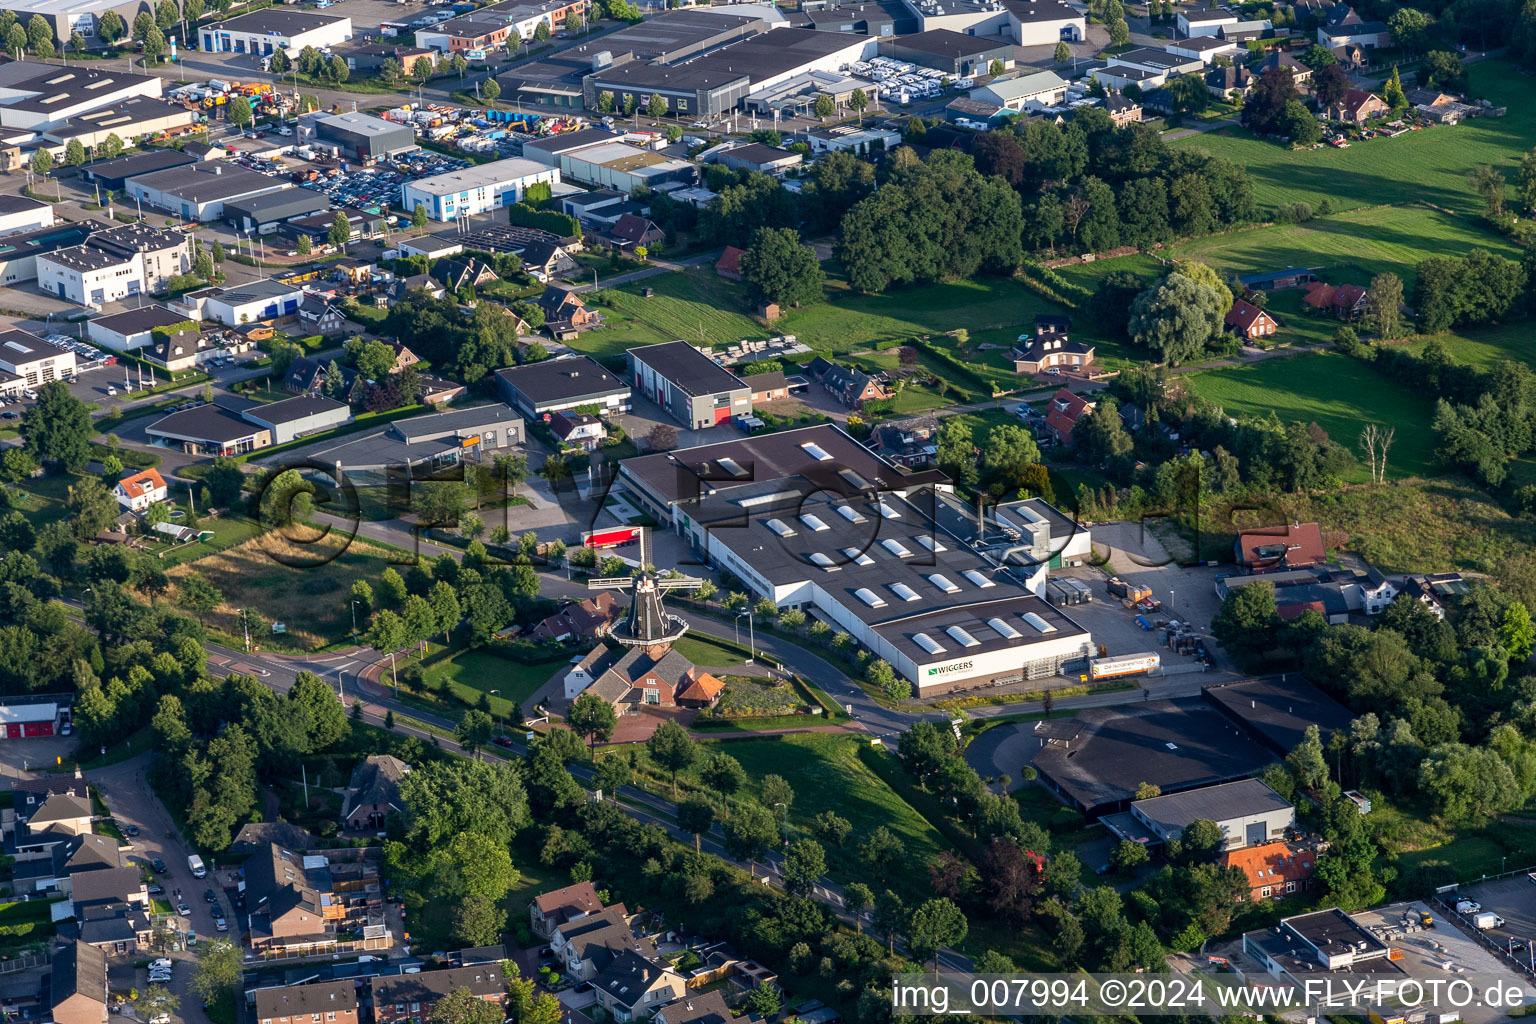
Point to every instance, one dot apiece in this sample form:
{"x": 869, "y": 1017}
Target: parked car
{"x": 157, "y": 890}
{"x": 221, "y": 925}
{"x": 157, "y": 865}
{"x": 217, "y": 912}
{"x": 184, "y": 910}
{"x": 209, "y": 896}
{"x": 130, "y": 830}
{"x": 163, "y": 961}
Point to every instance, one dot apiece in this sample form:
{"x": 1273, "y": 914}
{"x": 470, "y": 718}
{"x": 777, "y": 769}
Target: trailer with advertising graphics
{"x": 1122, "y": 665}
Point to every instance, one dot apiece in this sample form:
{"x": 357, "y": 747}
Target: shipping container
{"x": 1123, "y": 665}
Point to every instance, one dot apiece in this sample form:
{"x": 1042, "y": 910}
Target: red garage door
{"x": 721, "y": 415}
{"x": 38, "y": 729}
{"x": 13, "y": 730}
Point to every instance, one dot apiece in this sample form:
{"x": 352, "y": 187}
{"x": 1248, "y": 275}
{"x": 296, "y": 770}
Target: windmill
{"x": 649, "y": 624}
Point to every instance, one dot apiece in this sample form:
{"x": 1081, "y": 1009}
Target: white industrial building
{"x": 248, "y": 303}
{"x": 293, "y": 418}
{"x": 811, "y": 519}
{"x": 37, "y": 97}
{"x": 199, "y": 191}
{"x": 18, "y": 213}
{"x": 131, "y": 329}
{"x": 129, "y": 120}
{"x": 1022, "y": 22}
{"x": 34, "y": 360}
{"x": 623, "y": 167}
{"x": 262, "y": 32}
{"x": 1030, "y": 92}
{"x": 476, "y": 189}
{"x": 130, "y": 259}
{"x": 1248, "y": 813}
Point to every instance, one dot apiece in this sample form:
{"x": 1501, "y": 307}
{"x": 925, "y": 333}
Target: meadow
{"x": 1423, "y": 166}
{"x": 1349, "y": 247}
{"x": 1340, "y": 394}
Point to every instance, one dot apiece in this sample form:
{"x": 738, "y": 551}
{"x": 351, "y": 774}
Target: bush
{"x": 1293, "y": 213}
{"x": 526, "y": 216}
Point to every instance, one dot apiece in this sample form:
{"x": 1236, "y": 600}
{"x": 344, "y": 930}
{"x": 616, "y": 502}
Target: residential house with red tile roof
{"x": 1357, "y": 107}
{"x": 589, "y": 619}
{"x": 1274, "y": 870}
{"x": 136, "y": 493}
{"x": 1345, "y": 301}
{"x": 1272, "y": 548}
{"x": 728, "y": 265}
{"x": 1249, "y": 321}
{"x": 1064, "y": 412}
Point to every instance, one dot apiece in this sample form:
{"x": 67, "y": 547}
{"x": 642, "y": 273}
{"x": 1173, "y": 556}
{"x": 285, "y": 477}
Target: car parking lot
{"x": 379, "y": 186}
{"x": 1514, "y": 900}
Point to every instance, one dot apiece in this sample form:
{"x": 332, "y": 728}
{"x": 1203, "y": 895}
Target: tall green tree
{"x": 58, "y": 428}
{"x": 672, "y": 749}
{"x": 592, "y": 718}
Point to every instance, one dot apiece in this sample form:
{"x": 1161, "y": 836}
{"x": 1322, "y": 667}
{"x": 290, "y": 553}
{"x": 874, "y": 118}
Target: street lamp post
{"x": 354, "y": 620}
{"x": 494, "y": 711}
{"x": 751, "y": 633}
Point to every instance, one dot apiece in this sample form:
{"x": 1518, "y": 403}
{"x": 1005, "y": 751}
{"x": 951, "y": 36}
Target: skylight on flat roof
{"x": 731, "y": 466}
{"x": 781, "y": 528}
{"x": 1004, "y": 630}
{"x": 869, "y": 597}
{"x": 904, "y": 592}
{"x": 962, "y": 638}
{"x": 944, "y": 583}
{"x": 858, "y": 557}
{"x": 896, "y": 547}
{"x": 849, "y": 513}
{"x": 816, "y": 451}
{"x": 927, "y": 643}
{"x": 1037, "y": 623}
{"x": 980, "y": 579}
{"x": 931, "y": 543}
{"x": 824, "y": 561}
{"x": 886, "y": 512}
{"x": 814, "y": 522}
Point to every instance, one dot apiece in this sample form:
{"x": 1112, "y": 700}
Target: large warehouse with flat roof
{"x": 811, "y": 519}
{"x": 717, "y": 82}
{"x": 37, "y": 97}
{"x": 262, "y": 31}
{"x": 1096, "y": 759}
{"x": 475, "y": 189}
{"x": 199, "y": 191}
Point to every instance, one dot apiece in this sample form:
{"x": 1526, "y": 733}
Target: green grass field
{"x": 693, "y": 306}
{"x": 1429, "y": 165}
{"x": 1340, "y": 394}
{"x": 702, "y": 651}
{"x": 1482, "y": 347}
{"x": 1370, "y": 241}
{"x": 826, "y": 774}
{"x": 480, "y": 670}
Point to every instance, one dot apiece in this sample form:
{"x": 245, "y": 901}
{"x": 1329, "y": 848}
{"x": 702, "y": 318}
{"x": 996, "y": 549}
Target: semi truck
{"x": 1122, "y": 665}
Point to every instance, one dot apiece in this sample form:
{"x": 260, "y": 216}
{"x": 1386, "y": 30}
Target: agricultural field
{"x": 1340, "y": 394}
{"x": 1352, "y": 246}
{"x": 1423, "y": 166}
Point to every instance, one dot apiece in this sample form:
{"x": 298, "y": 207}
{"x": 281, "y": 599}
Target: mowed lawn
{"x": 1340, "y": 394}
{"x": 482, "y": 669}
{"x": 1429, "y": 165}
{"x": 692, "y": 305}
{"x": 1383, "y": 238}
{"x": 826, "y": 774}
{"x": 1483, "y": 347}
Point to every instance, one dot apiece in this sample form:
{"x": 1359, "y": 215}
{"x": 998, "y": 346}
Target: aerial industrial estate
{"x": 522, "y": 512}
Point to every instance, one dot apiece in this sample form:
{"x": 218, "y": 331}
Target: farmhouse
{"x": 1345, "y": 301}
{"x": 374, "y": 792}
{"x": 1357, "y": 107}
{"x": 1248, "y": 321}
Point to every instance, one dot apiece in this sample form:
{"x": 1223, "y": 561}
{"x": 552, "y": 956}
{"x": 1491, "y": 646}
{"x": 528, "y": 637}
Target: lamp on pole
{"x": 354, "y": 620}
{"x": 497, "y": 695}
{"x": 751, "y": 633}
